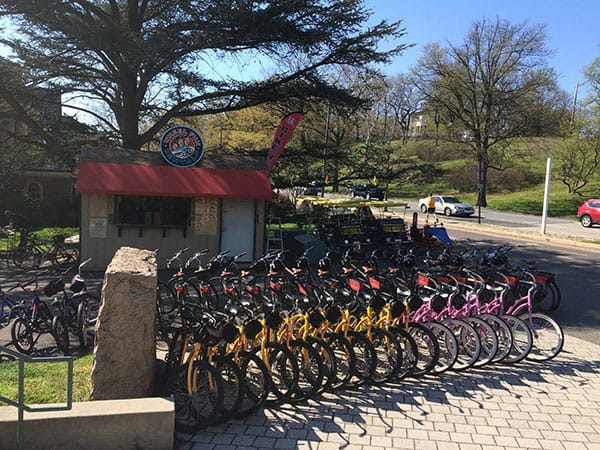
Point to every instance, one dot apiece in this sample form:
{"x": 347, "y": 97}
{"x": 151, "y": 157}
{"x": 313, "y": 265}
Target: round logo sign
{"x": 181, "y": 146}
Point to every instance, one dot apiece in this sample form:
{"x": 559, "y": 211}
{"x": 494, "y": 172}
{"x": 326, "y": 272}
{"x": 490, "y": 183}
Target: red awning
{"x": 169, "y": 181}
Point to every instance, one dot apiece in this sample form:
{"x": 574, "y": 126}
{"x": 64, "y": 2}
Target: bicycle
{"x": 73, "y": 313}
{"x": 7, "y": 307}
{"x": 548, "y": 336}
{"x": 34, "y": 321}
{"x": 37, "y": 253}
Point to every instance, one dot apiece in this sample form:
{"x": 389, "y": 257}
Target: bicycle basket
{"x": 438, "y": 303}
{"x": 415, "y": 302}
{"x": 316, "y": 319}
{"x": 377, "y": 303}
{"x": 273, "y": 320}
{"x": 252, "y": 328}
{"x": 333, "y": 314}
{"x": 77, "y": 283}
{"x": 398, "y": 308}
{"x": 54, "y": 287}
{"x": 230, "y": 333}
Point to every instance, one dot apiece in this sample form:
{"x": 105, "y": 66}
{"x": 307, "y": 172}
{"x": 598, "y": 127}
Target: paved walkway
{"x": 551, "y": 405}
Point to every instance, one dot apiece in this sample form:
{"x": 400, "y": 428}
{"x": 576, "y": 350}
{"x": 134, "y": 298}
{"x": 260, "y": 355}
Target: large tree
{"x": 485, "y": 86}
{"x": 136, "y": 65}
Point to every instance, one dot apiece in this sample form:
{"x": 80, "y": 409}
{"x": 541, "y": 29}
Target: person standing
{"x": 430, "y": 208}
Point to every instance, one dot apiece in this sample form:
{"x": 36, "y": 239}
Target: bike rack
{"x": 20, "y": 404}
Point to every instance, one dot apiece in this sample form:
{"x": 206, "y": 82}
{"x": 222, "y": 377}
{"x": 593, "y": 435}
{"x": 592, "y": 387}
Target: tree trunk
{"x": 482, "y": 168}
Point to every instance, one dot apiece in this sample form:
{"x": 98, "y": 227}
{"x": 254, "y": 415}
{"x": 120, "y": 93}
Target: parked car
{"x": 448, "y": 205}
{"x": 315, "y": 187}
{"x": 368, "y": 191}
{"x": 589, "y": 213}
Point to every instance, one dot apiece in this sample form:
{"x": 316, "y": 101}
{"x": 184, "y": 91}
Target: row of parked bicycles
{"x": 237, "y": 339}
{"x": 61, "y": 309}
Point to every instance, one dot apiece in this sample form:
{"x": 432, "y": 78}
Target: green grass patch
{"x": 47, "y": 382}
{"x": 44, "y": 234}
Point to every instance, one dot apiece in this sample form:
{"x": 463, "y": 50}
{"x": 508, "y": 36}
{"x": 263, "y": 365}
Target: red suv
{"x": 589, "y": 213}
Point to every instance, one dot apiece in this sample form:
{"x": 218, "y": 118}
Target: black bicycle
{"x": 34, "y": 321}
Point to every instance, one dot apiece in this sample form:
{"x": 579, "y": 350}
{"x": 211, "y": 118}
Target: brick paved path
{"x": 552, "y": 405}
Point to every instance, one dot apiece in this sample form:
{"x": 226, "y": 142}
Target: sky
{"x": 572, "y": 28}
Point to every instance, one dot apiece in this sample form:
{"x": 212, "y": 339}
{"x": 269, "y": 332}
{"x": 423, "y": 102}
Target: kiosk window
{"x": 152, "y": 211}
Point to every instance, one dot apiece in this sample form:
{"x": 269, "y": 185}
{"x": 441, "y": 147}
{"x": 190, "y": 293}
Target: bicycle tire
{"x": 23, "y": 258}
{"x": 488, "y": 339}
{"x": 410, "y": 352}
{"x": 209, "y": 296}
{"x": 197, "y": 409}
{"x": 22, "y": 336}
{"x": 389, "y": 355}
{"x": 168, "y": 315}
{"x": 65, "y": 256}
{"x": 366, "y": 359}
{"x": 284, "y": 372}
{"x": 345, "y": 360}
{"x": 60, "y": 333}
{"x": 87, "y": 315}
{"x": 311, "y": 372}
{"x": 548, "y": 336}
{"x": 329, "y": 362}
{"x": 503, "y": 333}
{"x": 449, "y": 348}
{"x": 469, "y": 343}
{"x": 43, "y": 320}
{"x": 428, "y": 349}
{"x": 552, "y": 298}
{"x": 257, "y": 384}
{"x": 233, "y": 387}
{"x": 522, "y": 339}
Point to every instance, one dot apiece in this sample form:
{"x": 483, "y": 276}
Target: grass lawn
{"x": 47, "y": 382}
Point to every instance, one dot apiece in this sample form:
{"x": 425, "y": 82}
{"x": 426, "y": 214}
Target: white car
{"x": 448, "y": 205}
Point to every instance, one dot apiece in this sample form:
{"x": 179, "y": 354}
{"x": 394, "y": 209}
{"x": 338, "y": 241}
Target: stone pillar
{"x": 125, "y": 350}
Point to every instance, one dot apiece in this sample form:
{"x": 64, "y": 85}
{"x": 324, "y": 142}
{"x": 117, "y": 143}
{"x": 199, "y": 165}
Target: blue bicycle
{"x": 8, "y": 311}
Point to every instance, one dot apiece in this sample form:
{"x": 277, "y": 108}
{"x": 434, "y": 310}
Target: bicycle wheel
{"x": 257, "y": 384}
{"x": 284, "y": 371}
{"x": 488, "y": 339}
{"x": 428, "y": 349}
{"x": 449, "y": 348}
{"x": 329, "y": 362}
{"x": 548, "y": 336}
{"x": 168, "y": 316}
{"x": 469, "y": 343}
{"x": 87, "y": 315}
{"x": 503, "y": 333}
{"x": 209, "y": 297}
{"x": 43, "y": 320}
{"x": 389, "y": 355}
{"x": 522, "y": 339}
{"x": 311, "y": 371}
{"x": 366, "y": 358}
{"x": 551, "y": 298}
{"x": 65, "y": 256}
{"x": 198, "y": 400}
{"x": 23, "y": 257}
{"x": 344, "y": 357}
{"x": 410, "y": 352}
{"x": 233, "y": 387}
{"x": 60, "y": 333}
{"x": 22, "y": 336}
